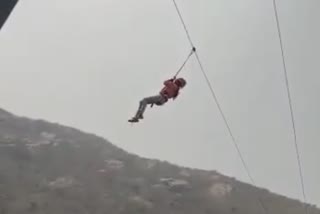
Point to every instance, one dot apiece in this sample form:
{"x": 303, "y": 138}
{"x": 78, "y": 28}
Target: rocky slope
{"x": 47, "y": 168}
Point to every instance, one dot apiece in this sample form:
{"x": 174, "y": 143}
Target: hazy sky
{"x": 88, "y": 63}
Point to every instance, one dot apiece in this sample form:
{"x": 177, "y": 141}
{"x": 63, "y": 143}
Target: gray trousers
{"x": 157, "y": 100}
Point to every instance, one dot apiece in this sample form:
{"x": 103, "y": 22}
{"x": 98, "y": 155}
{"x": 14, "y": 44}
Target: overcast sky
{"x": 88, "y": 63}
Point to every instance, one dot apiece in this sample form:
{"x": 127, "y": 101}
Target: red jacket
{"x": 171, "y": 90}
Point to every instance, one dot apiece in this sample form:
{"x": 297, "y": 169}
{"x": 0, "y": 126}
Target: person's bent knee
{"x": 143, "y": 101}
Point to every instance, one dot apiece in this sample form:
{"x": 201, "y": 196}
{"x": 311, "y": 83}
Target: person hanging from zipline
{"x": 170, "y": 90}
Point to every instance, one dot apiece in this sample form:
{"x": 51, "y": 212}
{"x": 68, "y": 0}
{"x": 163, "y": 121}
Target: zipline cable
{"x": 183, "y": 23}
{"x": 290, "y": 103}
{"x": 218, "y": 104}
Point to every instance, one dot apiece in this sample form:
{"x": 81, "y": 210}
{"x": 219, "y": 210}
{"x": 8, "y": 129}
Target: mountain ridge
{"x": 42, "y": 163}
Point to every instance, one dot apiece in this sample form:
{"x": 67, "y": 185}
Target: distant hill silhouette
{"x": 48, "y": 168}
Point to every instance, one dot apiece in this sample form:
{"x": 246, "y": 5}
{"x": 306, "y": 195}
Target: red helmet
{"x": 180, "y": 82}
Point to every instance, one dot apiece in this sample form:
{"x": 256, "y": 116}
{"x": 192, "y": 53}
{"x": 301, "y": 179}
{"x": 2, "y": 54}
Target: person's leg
{"x": 158, "y": 100}
{"x": 144, "y": 102}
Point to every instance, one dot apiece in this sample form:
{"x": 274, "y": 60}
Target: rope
{"x": 218, "y": 104}
{"x": 180, "y": 69}
{"x": 290, "y": 104}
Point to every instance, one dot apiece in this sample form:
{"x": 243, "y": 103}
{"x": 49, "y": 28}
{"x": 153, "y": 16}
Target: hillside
{"x": 47, "y": 168}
